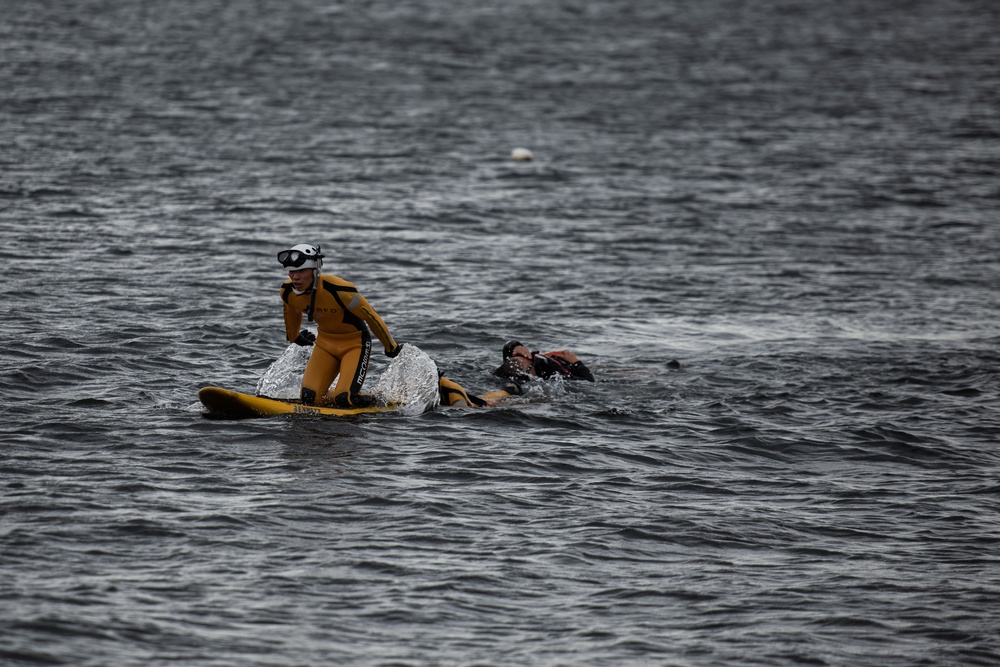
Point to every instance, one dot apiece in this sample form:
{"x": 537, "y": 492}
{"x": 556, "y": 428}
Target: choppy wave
{"x": 768, "y": 229}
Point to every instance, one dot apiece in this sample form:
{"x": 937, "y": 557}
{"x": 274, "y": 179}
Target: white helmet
{"x": 302, "y": 256}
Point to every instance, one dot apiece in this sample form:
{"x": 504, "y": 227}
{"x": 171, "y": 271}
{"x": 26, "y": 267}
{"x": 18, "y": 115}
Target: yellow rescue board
{"x": 234, "y": 405}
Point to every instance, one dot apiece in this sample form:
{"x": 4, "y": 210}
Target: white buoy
{"x": 522, "y": 155}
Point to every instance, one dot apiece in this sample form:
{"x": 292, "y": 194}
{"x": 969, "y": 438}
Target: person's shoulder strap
{"x": 556, "y": 362}
{"x": 562, "y": 365}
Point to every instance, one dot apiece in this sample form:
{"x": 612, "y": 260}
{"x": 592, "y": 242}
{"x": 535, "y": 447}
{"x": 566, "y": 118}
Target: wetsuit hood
{"x": 508, "y": 349}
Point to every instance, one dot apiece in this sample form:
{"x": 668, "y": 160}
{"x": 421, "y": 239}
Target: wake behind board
{"x": 234, "y": 405}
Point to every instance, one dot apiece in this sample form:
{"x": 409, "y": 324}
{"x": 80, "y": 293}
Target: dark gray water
{"x": 796, "y": 200}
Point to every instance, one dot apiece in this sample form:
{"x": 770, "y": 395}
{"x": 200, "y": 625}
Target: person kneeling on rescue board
{"x": 344, "y": 343}
{"x": 521, "y": 364}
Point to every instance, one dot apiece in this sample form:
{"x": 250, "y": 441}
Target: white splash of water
{"x": 410, "y": 381}
{"x": 283, "y": 378}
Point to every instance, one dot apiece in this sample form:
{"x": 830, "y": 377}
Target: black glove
{"x": 394, "y": 352}
{"x": 581, "y": 371}
{"x": 514, "y": 389}
{"x": 305, "y": 338}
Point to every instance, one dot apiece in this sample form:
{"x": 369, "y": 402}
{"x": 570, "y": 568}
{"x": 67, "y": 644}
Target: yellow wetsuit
{"x": 453, "y": 395}
{"x": 343, "y": 344}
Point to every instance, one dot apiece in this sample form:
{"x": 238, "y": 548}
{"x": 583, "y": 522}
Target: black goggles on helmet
{"x": 291, "y": 259}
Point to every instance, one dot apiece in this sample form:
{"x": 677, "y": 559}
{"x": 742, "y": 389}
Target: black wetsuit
{"x": 544, "y": 366}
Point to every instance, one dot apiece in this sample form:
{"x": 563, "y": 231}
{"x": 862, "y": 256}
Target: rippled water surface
{"x": 796, "y": 201}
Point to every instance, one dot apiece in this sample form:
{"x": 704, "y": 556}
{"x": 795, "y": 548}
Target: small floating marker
{"x": 673, "y": 364}
{"x": 522, "y": 155}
